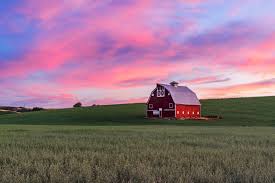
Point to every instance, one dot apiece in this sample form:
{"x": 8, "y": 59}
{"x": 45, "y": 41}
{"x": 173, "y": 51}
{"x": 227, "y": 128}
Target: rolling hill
{"x": 258, "y": 111}
{"x": 5, "y": 112}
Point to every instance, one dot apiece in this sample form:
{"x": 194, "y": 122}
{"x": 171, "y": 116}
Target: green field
{"x": 235, "y": 112}
{"x": 5, "y": 112}
{"x": 117, "y": 144}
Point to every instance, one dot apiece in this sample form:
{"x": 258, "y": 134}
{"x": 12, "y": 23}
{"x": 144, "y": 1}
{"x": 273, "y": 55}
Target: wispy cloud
{"x": 79, "y": 45}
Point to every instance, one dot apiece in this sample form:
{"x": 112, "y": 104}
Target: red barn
{"x": 173, "y": 101}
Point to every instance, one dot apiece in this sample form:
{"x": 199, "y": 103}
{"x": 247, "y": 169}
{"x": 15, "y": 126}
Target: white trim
{"x": 161, "y": 92}
{"x": 171, "y": 105}
{"x": 156, "y": 112}
{"x": 150, "y": 96}
{"x": 160, "y": 112}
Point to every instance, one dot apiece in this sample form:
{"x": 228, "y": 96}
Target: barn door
{"x": 160, "y": 112}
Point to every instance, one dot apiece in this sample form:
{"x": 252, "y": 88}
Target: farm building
{"x": 173, "y": 101}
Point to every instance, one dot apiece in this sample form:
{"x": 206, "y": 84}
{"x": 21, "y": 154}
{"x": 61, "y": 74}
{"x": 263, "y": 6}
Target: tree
{"x": 78, "y": 104}
{"x": 37, "y": 109}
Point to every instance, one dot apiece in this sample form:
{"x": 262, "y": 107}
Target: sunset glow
{"x": 55, "y": 53}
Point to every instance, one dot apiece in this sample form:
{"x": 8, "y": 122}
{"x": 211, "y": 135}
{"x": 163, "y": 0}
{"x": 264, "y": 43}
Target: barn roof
{"x": 182, "y": 95}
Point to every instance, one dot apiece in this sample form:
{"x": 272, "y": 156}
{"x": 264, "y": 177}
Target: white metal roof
{"x": 182, "y": 95}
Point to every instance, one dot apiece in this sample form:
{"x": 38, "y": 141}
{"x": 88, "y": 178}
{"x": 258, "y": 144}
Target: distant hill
{"x": 2, "y": 112}
{"x": 9, "y": 109}
{"x": 258, "y": 111}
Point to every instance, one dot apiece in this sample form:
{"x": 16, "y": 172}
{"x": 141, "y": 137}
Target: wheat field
{"x": 136, "y": 154}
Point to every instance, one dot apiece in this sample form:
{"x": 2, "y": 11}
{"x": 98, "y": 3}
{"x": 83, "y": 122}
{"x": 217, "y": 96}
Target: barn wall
{"x": 161, "y": 102}
{"x": 150, "y": 114}
{"x": 188, "y": 111}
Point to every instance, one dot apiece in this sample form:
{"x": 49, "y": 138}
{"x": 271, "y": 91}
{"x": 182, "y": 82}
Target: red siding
{"x": 161, "y": 102}
{"x": 182, "y": 111}
{"x": 188, "y": 111}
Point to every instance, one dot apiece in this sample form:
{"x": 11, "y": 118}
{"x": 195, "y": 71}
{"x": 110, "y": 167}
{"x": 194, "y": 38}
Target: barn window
{"x": 188, "y": 112}
{"x": 156, "y": 112}
{"x": 198, "y": 113}
{"x": 193, "y": 113}
{"x": 153, "y": 94}
{"x": 151, "y": 106}
{"x": 171, "y": 105}
{"x": 182, "y": 112}
{"x": 161, "y": 92}
{"x": 178, "y": 112}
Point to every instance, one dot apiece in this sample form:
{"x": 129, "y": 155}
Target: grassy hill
{"x": 257, "y": 111}
{"x": 5, "y": 112}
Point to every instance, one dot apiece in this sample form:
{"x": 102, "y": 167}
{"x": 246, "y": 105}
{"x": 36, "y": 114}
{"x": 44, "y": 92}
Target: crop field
{"x": 117, "y": 144}
{"x": 137, "y": 154}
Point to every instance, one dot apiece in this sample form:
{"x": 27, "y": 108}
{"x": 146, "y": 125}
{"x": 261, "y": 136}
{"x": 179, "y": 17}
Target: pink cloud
{"x": 246, "y": 89}
{"x": 106, "y": 101}
{"x": 206, "y": 80}
{"x": 84, "y": 44}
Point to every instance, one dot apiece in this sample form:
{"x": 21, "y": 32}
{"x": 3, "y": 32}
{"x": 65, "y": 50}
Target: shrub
{"x": 78, "y": 104}
{"x": 37, "y": 109}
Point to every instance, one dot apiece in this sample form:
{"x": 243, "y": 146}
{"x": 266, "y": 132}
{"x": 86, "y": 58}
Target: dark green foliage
{"x": 37, "y": 109}
{"x": 77, "y": 105}
{"x": 235, "y": 112}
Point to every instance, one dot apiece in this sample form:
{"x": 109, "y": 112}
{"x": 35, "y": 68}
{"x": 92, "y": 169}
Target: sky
{"x": 56, "y": 53}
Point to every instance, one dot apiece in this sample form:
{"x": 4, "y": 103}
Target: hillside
{"x": 2, "y": 112}
{"x": 257, "y": 111}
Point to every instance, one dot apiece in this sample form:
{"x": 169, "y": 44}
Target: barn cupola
{"x": 174, "y": 84}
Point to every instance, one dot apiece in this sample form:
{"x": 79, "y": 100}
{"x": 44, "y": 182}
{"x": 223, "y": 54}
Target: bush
{"x": 78, "y": 104}
{"x": 23, "y": 109}
{"x": 37, "y": 109}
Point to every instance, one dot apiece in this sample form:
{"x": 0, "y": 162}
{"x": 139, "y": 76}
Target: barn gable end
{"x": 160, "y": 103}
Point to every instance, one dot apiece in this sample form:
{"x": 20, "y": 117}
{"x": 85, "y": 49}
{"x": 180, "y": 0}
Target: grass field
{"x": 136, "y": 154}
{"x": 116, "y": 144}
{"x": 235, "y": 112}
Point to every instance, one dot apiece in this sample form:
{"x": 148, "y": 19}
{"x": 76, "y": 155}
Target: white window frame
{"x": 171, "y": 105}
{"x": 156, "y": 112}
{"x": 161, "y": 92}
{"x": 151, "y": 106}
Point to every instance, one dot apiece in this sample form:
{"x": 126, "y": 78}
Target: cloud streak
{"x": 84, "y": 45}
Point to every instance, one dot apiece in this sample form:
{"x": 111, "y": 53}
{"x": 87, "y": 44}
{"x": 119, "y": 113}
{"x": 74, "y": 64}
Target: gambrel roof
{"x": 182, "y": 95}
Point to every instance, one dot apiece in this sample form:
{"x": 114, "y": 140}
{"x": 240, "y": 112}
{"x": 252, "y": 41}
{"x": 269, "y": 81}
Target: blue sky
{"x": 55, "y": 53}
